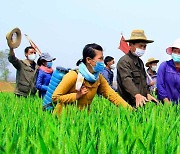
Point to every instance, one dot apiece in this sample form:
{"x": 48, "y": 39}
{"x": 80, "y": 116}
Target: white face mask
{"x": 113, "y": 66}
{"x": 138, "y": 52}
{"x": 32, "y": 57}
{"x": 153, "y": 68}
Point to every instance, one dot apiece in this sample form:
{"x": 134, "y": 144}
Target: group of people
{"x": 134, "y": 84}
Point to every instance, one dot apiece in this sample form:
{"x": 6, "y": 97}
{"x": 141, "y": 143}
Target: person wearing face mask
{"x": 151, "y": 78}
{"x": 131, "y": 75}
{"x": 107, "y": 71}
{"x": 44, "y": 73}
{"x": 168, "y": 76}
{"x": 88, "y": 74}
{"x": 26, "y": 72}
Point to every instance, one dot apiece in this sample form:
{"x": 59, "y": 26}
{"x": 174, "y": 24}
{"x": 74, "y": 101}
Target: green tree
{"x": 4, "y": 65}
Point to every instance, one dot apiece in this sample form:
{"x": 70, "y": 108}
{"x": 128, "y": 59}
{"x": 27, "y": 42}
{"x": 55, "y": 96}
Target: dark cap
{"x": 46, "y": 57}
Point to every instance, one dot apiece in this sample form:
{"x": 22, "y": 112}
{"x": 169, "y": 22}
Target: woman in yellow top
{"x": 89, "y": 68}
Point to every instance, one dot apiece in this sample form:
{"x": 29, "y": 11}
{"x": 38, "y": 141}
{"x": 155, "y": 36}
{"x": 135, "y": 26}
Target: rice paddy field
{"x": 25, "y": 128}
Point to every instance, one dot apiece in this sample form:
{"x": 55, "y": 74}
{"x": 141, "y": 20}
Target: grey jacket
{"x": 25, "y": 76}
{"x": 131, "y": 78}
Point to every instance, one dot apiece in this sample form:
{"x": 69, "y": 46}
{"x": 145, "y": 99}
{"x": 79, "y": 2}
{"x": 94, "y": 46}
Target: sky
{"x": 63, "y": 27}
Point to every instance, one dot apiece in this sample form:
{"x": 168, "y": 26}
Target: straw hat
{"x": 11, "y": 42}
{"x": 138, "y": 35}
{"x": 176, "y": 44}
{"x": 151, "y": 60}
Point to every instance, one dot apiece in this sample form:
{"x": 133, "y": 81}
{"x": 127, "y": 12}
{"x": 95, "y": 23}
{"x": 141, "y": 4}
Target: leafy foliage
{"x": 4, "y": 64}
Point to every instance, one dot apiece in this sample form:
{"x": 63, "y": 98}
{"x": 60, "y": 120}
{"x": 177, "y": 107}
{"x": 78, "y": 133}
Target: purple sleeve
{"x": 162, "y": 93}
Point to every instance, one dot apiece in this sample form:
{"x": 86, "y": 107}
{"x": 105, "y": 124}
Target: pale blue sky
{"x": 63, "y": 28}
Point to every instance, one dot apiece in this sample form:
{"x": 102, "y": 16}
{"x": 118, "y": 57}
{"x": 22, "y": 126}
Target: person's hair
{"x": 40, "y": 61}
{"x": 174, "y": 48}
{"x": 78, "y": 62}
{"x": 27, "y": 49}
{"x": 88, "y": 51}
{"x": 108, "y": 59}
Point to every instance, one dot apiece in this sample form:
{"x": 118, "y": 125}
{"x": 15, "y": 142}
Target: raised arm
{"x": 14, "y": 60}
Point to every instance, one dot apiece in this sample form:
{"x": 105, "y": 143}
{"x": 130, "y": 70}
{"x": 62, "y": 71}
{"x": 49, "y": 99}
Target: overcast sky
{"x": 63, "y": 27}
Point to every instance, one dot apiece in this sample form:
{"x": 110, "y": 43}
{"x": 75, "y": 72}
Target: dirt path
{"x": 6, "y": 87}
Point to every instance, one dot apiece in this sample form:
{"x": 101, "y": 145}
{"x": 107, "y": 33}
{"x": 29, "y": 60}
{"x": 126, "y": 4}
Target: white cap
{"x": 176, "y": 44}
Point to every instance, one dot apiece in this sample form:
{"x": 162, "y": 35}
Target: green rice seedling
{"x": 105, "y": 128}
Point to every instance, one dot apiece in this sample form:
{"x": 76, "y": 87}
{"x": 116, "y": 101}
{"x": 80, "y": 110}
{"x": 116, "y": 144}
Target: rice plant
{"x": 105, "y": 128}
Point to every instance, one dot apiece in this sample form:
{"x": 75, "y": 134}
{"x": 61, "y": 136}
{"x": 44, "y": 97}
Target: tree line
{"x": 4, "y": 63}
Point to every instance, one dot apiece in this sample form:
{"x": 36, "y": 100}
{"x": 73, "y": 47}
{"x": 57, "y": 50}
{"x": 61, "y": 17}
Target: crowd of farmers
{"x": 94, "y": 74}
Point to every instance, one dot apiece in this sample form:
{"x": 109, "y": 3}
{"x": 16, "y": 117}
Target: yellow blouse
{"x": 66, "y": 92}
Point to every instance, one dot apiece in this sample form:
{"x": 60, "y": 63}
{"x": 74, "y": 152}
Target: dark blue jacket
{"x": 108, "y": 75}
{"x": 42, "y": 82}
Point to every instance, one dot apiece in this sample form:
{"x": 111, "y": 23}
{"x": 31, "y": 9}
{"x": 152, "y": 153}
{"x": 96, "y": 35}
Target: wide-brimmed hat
{"x": 138, "y": 35}
{"x": 46, "y": 57}
{"x": 176, "y": 44}
{"x": 151, "y": 60}
{"x": 14, "y": 43}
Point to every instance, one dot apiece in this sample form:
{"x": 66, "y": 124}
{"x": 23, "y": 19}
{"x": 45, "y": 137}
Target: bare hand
{"x": 140, "y": 100}
{"x": 151, "y": 98}
{"x": 166, "y": 100}
{"x": 82, "y": 92}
